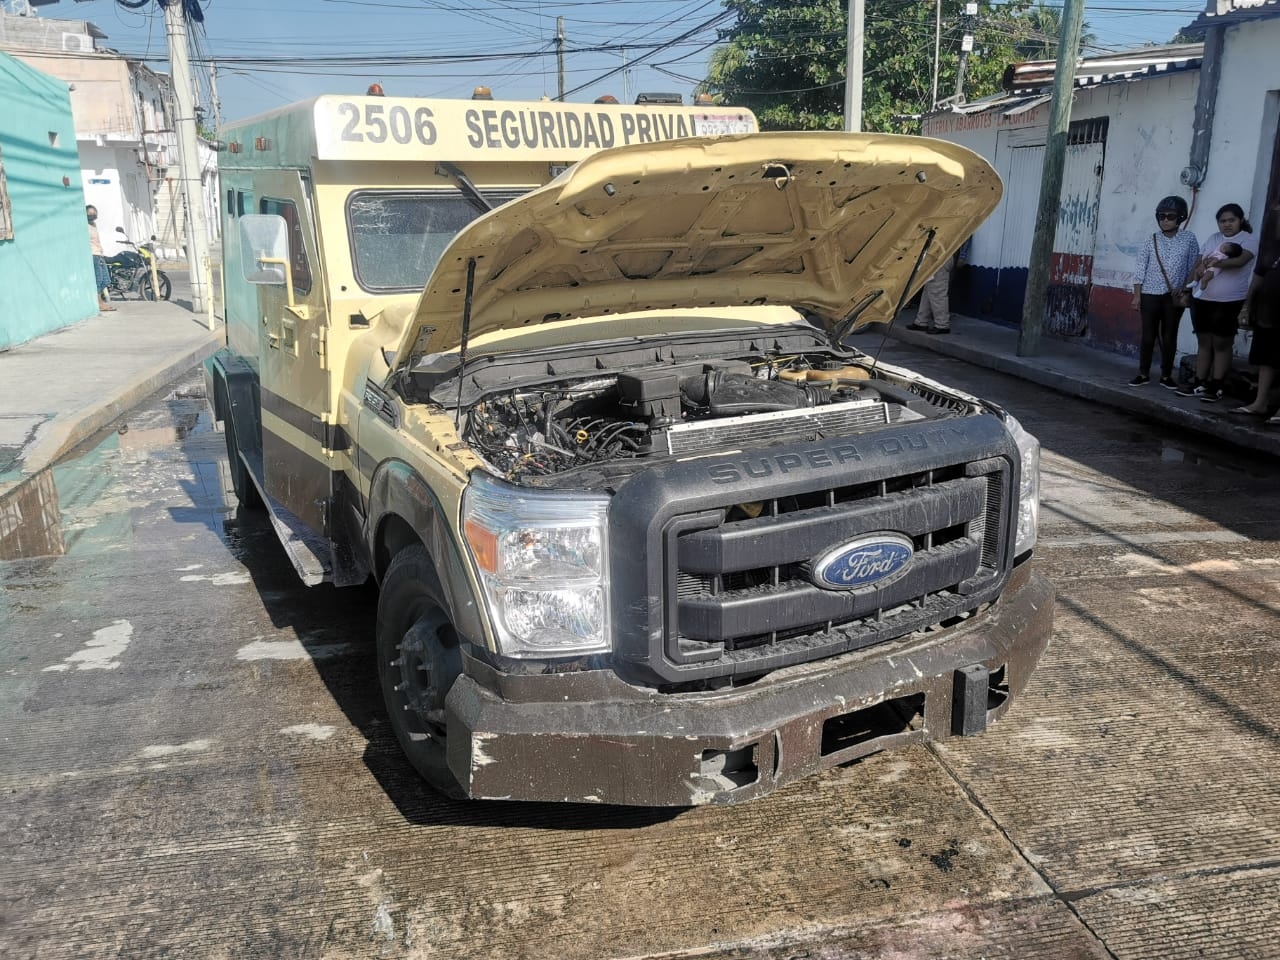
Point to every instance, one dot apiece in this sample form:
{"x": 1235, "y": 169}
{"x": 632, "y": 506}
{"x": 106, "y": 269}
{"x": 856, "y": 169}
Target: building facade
{"x": 1193, "y": 120}
{"x": 46, "y": 271}
{"x": 128, "y": 149}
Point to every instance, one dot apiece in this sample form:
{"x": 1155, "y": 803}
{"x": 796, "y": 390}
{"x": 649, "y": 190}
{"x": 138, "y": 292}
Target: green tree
{"x": 1045, "y": 25}
{"x": 785, "y": 59}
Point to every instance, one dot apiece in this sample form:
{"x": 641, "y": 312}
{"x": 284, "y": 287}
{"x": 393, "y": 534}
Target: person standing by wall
{"x": 1215, "y": 308}
{"x": 1163, "y": 268}
{"x": 1262, "y": 314}
{"x": 934, "y": 315}
{"x": 100, "y": 272}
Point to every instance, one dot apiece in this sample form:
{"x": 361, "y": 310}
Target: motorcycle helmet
{"x": 1174, "y": 205}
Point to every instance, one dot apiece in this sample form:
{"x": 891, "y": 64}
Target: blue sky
{"x": 652, "y": 45}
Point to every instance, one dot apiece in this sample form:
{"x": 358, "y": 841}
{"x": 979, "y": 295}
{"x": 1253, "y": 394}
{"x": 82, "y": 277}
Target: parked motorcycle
{"x": 130, "y": 271}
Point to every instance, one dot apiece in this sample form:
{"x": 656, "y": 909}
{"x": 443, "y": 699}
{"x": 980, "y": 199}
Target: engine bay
{"x": 540, "y": 427}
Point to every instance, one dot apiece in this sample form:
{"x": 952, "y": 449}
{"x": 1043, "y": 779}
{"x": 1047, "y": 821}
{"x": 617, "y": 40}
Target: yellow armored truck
{"x": 572, "y": 382}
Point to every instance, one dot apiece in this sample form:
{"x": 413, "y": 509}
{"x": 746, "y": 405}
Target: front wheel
{"x": 418, "y": 660}
{"x": 144, "y": 286}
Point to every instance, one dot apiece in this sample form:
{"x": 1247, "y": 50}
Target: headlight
{"x": 543, "y": 559}
{"x": 1028, "y": 489}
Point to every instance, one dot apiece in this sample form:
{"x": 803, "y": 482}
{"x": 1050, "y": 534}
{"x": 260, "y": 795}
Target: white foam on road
{"x": 315, "y": 731}
{"x": 291, "y": 650}
{"x": 219, "y": 579}
{"x": 173, "y": 749}
{"x": 100, "y": 652}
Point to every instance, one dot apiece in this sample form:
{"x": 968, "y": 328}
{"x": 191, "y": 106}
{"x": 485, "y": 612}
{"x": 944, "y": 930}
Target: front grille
{"x": 953, "y": 521}
{"x": 714, "y": 555}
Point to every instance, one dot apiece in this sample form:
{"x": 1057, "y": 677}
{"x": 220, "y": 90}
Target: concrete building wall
{"x": 116, "y": 183}
{"x": 101, "y": 98}
{"x": 127, "y": 144}
{"x": 46, "y": 272}
{"x": 1244, "y": 124}
{"x": 1148, "y": 138}
{"x": 1148, "y": 144}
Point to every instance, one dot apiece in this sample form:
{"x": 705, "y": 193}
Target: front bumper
{"x": 590, "y": 737}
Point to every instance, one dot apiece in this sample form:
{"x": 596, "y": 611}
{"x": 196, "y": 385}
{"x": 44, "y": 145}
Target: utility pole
{"x": 853, "y": 68}
{"x": 188, "y": 155}
{"x": 1055, "y": 158}
{"x": 213, "y": 95}
{"x": 560, "y": 58}
{"x": 967, "y": 22}
{"x": 937, "y": 51}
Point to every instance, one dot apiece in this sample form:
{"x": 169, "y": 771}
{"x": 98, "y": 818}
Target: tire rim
{"x": 419, "y": 689}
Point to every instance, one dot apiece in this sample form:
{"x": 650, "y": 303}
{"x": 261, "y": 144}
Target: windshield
{"x": 397, "y": 237}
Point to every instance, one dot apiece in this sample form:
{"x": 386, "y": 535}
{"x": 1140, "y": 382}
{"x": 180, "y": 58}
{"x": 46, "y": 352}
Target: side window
{"x": 297, "y": 248}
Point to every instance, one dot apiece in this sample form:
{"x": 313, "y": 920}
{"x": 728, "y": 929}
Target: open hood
{"x": 831, "y": 224}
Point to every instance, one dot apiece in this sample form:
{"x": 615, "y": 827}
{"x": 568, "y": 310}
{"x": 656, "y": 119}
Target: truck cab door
{"x": 292, "y": 363}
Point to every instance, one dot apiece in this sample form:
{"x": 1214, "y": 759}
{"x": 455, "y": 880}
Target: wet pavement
{"x": 58, "y": 389}
{"x": 195, "y": 762}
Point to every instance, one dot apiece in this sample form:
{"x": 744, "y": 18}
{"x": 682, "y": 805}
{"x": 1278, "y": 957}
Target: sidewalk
{"x": 59, "y": 389}
{"x": 1082, "y": 371}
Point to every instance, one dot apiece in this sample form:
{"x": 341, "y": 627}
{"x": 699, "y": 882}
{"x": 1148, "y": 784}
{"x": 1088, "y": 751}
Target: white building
{"x": 1195, "y": 120}
{"x": 124, "y": 130}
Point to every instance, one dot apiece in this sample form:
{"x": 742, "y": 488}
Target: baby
{"x": 1226, "y": 251}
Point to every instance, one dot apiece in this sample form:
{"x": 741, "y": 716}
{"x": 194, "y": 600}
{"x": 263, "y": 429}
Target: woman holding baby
{"x": 1219, "y": 284}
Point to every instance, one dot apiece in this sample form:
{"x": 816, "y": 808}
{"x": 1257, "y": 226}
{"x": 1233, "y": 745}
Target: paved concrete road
{"x": 195, "y": 764}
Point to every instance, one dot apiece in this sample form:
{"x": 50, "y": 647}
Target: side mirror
{"x": 119, "y": 229}
{"x": 264, "y": 248}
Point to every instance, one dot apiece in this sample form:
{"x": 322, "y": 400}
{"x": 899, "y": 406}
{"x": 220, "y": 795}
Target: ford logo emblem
{"x": 868, "y": 560}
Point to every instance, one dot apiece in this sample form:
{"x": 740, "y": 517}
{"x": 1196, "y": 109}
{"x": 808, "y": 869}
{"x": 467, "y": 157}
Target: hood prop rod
{"x": 902, "y": 297}
{"x": 466, "y": 333}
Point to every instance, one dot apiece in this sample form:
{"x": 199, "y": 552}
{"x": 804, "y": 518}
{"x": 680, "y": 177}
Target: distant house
{"x": 128, "y": 149}
{"x": 46, "y": 272}
{"x": 1197, "y": 120}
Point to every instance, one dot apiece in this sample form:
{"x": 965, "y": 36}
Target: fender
{"x": 402, "y": 504}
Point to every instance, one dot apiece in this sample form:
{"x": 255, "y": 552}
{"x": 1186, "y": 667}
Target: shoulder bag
{"x": 1180, "y": 297}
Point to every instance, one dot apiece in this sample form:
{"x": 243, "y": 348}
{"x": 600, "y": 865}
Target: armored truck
{"x": 576, "y": 385}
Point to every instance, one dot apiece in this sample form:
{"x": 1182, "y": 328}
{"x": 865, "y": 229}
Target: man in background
{"x": 100, "y": 272}
{"x": 934, "y": 314}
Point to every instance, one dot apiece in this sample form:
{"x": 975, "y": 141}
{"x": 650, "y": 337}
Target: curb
{"x": 66, "y": 432}
{"x": 1101, "y": 391}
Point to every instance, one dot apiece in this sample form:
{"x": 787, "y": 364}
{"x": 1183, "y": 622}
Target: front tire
{"x": 418, "y": 661}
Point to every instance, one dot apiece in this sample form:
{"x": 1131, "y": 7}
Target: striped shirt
{"x": 1179, "y": 254}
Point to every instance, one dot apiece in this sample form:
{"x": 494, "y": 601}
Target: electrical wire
{"x": 640, "y": 41}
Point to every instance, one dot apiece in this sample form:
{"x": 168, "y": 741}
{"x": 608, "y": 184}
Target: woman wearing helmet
{"x": 1164, "y": 267}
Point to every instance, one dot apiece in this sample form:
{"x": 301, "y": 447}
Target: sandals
{"x": 1246, "y": 412}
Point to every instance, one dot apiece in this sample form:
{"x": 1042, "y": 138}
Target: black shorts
{"x": 1214, "y": 318}
{"x": 1265, "y": 349}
